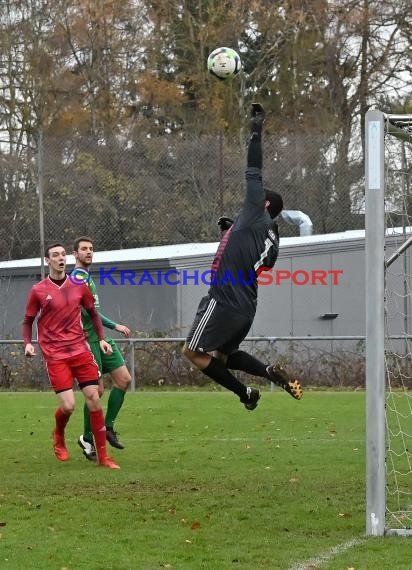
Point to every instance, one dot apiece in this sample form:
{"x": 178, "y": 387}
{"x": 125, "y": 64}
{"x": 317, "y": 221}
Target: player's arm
{"x": 32, "y": 308}
{"x": 123, "y": 329}
{"x": 109, "y": 324}
{"x": 255, "y": 194}
{"x": 88, "y": 303}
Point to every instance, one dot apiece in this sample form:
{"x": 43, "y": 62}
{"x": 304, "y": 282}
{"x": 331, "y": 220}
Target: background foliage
{"x": 161, "y": 365}
{"x": 108, "y": 107}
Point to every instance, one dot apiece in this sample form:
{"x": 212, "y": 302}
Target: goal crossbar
{"x": 398, "y": 252}
{"x": 400, "y": 126}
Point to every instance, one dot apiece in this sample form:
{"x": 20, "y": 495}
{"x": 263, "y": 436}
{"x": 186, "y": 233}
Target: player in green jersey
{"x": 113, "y": 364}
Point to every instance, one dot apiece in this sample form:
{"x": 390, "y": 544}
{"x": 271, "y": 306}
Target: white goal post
{"x": 388, "y": 351}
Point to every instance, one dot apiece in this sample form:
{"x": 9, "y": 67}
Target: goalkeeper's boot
{"x": 251, "y": 399}
{"x": 279, "y": 376}
{"x": 89, "y": 451}
{"x": 59, "y": 446}
{"x": 111, "y": 437}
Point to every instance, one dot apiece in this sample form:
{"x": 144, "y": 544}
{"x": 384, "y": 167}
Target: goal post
{"x": 388, "y": 237}
{"x": 375, "y": 339}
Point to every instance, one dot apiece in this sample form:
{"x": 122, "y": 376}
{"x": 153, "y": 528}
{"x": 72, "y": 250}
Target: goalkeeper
{"x": 225, "y": 316}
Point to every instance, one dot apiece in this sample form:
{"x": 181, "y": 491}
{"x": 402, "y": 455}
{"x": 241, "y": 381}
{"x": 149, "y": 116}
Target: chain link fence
{"x": 158, "y": 363}
{"x": 147, "y": 191}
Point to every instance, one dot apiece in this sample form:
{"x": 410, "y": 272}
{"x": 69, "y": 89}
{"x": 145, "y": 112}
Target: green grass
{"x": 203, "y": 484}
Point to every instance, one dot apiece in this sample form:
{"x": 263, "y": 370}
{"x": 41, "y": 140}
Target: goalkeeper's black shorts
{"x": 217, "y": 327}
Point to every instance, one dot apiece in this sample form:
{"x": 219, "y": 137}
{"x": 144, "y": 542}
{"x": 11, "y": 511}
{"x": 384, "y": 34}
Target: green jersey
{"x": 88, "y": 327}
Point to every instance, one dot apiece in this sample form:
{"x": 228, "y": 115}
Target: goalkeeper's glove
{"x": 224, "y": 223}
{"x": 257, "y": 120}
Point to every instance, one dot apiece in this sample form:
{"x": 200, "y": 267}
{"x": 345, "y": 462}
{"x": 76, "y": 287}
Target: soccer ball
{"x": 224, "y": 63}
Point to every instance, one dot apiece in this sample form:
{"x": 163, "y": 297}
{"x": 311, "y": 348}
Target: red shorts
{"x": 83, "y": 367}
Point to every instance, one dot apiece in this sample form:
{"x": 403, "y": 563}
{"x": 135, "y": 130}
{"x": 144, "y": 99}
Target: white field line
{"x": 273, "y": 439}
{"x": 327, "y": 555}
{"x": 179, "y": 440}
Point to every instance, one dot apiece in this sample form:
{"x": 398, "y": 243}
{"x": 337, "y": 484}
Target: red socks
{"x": 99, "y": 433}
{"x": 61, "y": 420}
{"x": 98, "y": 429}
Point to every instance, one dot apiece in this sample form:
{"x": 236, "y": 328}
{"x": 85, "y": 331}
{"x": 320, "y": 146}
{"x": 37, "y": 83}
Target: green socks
{"x": 114, "y": 404}
{"x": 87, "y": 430}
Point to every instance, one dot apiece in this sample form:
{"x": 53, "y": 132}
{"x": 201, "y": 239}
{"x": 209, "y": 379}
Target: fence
{"x": 157, "y": 362}
{"x": 155, "y": 191}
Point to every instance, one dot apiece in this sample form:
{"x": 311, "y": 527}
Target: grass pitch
{"x": 203, "y": 484}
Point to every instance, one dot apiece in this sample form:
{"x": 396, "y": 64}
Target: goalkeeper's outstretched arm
{"x": 255, "y": 194}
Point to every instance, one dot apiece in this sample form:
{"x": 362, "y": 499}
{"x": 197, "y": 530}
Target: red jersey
{"x": 59, "y": 326}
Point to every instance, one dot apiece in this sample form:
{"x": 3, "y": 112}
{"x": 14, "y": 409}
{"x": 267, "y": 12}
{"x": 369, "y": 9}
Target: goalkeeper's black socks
{"x": 218, "y": 372}
{"x": 241, "y": 360}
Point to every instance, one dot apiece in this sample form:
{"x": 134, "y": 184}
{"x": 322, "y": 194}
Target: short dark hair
{"x": 275, "y": 203}
{"x": 51, "y": 246}
{"x": 79, "y": 239}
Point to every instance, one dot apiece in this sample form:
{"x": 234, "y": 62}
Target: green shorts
{"x": 107, "y": 362}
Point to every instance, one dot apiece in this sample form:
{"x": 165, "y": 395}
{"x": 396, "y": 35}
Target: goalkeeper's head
{"x": 274, "y": 203}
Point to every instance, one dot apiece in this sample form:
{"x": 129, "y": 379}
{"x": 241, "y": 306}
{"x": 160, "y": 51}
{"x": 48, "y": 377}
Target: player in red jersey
{"x": 58, "y": 301}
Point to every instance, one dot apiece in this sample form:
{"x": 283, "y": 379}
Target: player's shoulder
{"x": 41, "y": 285}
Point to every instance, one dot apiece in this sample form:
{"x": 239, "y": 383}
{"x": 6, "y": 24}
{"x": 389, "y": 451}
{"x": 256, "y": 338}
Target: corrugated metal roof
{"x": 195, "y": 249}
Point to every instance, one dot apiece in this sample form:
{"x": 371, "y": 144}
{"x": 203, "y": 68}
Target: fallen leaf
{"x": 195, "y": 525}
{"x": 188, "y": 541}
{"x": 345, "y": 515}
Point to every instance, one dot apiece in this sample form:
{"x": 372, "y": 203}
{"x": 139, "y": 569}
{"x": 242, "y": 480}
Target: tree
{"x": 135, "y": 126}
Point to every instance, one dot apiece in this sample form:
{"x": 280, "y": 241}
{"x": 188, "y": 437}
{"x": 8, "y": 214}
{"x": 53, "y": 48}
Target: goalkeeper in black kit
{"x": 225, "y": 316}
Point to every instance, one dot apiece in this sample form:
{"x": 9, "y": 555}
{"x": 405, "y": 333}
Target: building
{"x": 317, "y": 288}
